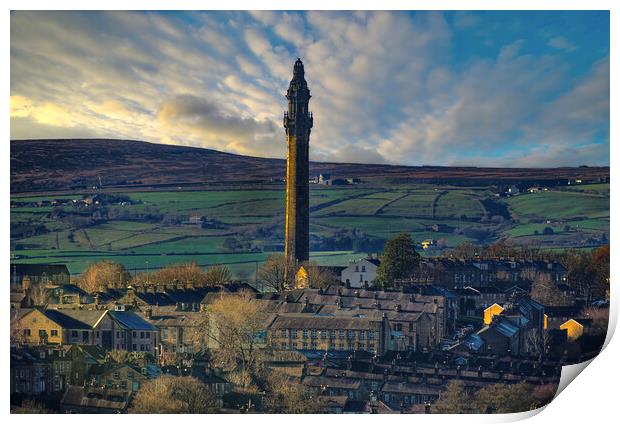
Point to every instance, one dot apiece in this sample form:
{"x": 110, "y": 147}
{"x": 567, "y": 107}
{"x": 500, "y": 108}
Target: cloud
{"x": 386, "y": 86}
{"x": 561, "y": 43}
{"x": 215, "y": 126}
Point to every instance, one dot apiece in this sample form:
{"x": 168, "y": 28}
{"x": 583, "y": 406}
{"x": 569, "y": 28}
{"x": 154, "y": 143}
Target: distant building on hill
{"x": 38, "y": 273}
{"x": 325, "y": 179}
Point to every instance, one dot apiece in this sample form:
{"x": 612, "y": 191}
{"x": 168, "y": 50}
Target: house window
{"x": 74, "y": 333}
{"x": 124, "y": 384}
{"x": 130, "y": 374}
{"x": 118, "y": 334}
{"x": 363, "y": 268}
{"x": 164, "y": 333}
{"x": 282, "y": 333}
{"x": 305, "y": 345}
{"x": 27, "y": 332}
{"x": 314, "y": 334}
{"x": 116, "y": 375}
{"x": 148, "y": 335}
{"x": 293, "y": 334}
{"x": 323, "y": 334}
{"x": 361, "y": 335}
{"x": 357, "y": 268}
{"x": 348, "y": 281}
{"x": 351, "y": 334}
{"x": 54, "y": 333}
{"x": 97, "y": 334}
{"x": 341, "y": 334}
{"x": 332, "y": 334}
{"x": 411, "y": 327}
{"x": 134, "y": 347}
{"x": 141, "y": 348}
{"x": 141, "y": 334}
{"x": 85, "y": 336}
{"x": 134, "y": 334}
{"x": 305, "y": 334}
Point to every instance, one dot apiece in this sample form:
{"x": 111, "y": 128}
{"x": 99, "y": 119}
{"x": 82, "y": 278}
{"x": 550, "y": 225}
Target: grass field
{"x": 376, "y": 210}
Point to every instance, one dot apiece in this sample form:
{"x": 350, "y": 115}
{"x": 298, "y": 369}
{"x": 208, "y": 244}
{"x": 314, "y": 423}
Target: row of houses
{"x": 109, "y": 329}
{"x": 455, "y": 273}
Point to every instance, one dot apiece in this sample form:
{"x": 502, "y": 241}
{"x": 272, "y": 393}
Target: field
{"x": 575, "y": 216}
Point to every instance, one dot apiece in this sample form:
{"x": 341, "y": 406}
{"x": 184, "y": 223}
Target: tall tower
{"x": 297, "y": 122}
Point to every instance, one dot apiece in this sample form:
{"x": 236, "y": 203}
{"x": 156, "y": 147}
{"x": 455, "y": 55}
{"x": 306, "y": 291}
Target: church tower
{"x": 297, "y": 122}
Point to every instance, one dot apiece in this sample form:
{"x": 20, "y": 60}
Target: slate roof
{"x": 506, "y": 328}
{"x": 90, "y": 397}
{"x": 562, "y": 311}
{"x": 307, "y": 321}
{"x": 131, "y": 321}
{"x": 39, "y": 269}
{"x": 87, "y": 316}
{"x": 66, "y": 321}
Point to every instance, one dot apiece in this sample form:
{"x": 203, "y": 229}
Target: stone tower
{"x": 297, "y": 122}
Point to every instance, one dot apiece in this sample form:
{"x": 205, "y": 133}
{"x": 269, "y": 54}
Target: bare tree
{"x": 100, "y": 275}
{"x": 287, "y": 395}
{"x": 538, "y": 342}
{"x": 17, "y": 330}
{"x": 217, "y": 275}
{"x": 547, "y": 293}
{"x": 39, "y": 294}
{"x": 174, "y": 395}
{"x": 277, "y": 273}
{"x": 235, "y": 325}
{"x": 599, "y": 317}
{"x": 319, "y": 276}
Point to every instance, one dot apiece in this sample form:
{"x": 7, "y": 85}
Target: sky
{"x": 414, "y": 88}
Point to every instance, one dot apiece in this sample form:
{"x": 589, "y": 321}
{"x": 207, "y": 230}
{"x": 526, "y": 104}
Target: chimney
{"x": 378, "y": 305}
{"x": 189, "y": 285}
{"x": 397, "y": 308}
{"x": 178, "y": 308}
{"x": 427, "y": 407}
{"x": 149, "y": 313}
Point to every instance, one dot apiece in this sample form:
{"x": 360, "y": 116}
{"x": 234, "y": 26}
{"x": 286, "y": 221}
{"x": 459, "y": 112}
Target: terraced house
{"x": 341, "y": 319}
{"x": 328, "y": 333}
{"x": 122, "y": 330}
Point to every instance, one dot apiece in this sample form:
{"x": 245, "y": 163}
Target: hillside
{"x": 46, "y": 165}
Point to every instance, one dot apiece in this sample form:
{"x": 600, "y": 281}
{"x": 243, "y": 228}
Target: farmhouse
{"x": 360, "y": 273}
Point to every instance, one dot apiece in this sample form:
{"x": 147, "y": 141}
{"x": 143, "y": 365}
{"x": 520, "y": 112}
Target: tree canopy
{"x": 398, "y": 261}
{"x": 101, "y": 274}
{"x": 173, "y": 395}
{"x": 236, "y": 323}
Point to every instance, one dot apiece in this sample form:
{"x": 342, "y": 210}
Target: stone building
{"x": 297, "y": 122}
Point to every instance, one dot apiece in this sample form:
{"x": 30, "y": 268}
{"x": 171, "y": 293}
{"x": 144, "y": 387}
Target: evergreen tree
{"x": 399, "y": 260}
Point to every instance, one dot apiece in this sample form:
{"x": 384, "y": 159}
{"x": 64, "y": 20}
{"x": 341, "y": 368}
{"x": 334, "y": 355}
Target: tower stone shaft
{"x": 297, "y": 122}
